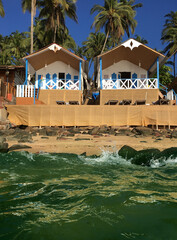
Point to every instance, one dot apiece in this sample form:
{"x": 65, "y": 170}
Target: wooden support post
{"x": 101, "y": 73}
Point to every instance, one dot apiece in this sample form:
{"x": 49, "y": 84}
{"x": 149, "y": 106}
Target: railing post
{"x": 26, "y": 72}
{"x": 17, "y": 93}
{"x": 158, "y": 76}
{"x": 101, "y": 73}
{"x": 34, "y": 94}
{"x": 80, "y": 75}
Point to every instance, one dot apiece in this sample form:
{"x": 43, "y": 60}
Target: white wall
{"x": 124, "y": 66}
{"x": 57, "y": 67}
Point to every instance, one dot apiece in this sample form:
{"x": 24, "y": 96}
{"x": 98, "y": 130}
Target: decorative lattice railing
{"x": 58, "y": 84}
{"x": 147, "y": 83}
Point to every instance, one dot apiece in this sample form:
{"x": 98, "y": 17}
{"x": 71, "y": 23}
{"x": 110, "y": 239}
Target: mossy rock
{"x": 127, "y": 152}
{"x": 18, "y": 147}
{"x": 3, "y": 147}
{"x": 144, "y": 157}
{"x": 168, "y": 153}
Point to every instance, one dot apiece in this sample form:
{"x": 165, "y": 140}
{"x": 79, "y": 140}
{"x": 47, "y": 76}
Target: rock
{"x": 71, "y": 135}
{"x": 123, "y": 132}
{"x": 159, "y": 139}
{"x": 167, "y": 153}
{"x": 83, "y": 154}
{"x": 103, "y": 129}
{"x": 25, "y": 138}
{"x": 157, "y": 134}
{"x": 112, "y": 131}
{"x": 18, "y": 147}
{"x": 3, "y": 147}
{"x": 74, "y": 130}
{"x": 85, "y": 132}
{"x": 82, "y": 139}
{"x": 127, "y": 152}
{"x": 174, "y": 134}
{"x": 51, "y": 133}
{"x": 145, "y": 131}
{"x": 42, "y": 132}
{"x": 144, "y": 157}
{"x": 94, "y": 131}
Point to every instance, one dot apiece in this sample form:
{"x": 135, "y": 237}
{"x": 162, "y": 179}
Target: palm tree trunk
{"x": 55, "y": 32}
{"x": 107, "y": 35}
{"x": 32, "y": 16}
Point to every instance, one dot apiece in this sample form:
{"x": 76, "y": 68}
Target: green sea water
{"x": 70, "y": 197}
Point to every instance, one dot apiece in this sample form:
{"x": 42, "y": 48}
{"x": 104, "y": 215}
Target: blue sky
{"x": 150, "y": 19}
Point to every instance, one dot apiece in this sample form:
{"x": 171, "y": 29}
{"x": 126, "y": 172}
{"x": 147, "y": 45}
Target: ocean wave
{"x": 106, "y": 158}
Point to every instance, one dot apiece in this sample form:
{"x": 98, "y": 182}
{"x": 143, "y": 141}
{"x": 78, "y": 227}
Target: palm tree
{"x": 55, "y": 11}
{"x": 116, "y": 17}
{"x": 18, "y": 46}
{"x": 140, "y": 39}
{"x": 169, "y": 36}
{"x": 2, "y": 13}
{"x": 43, "y": 37}
{"x": 131, "y": 2}
{"x": 93, "y": 46}
{"x": 30, "y": 5}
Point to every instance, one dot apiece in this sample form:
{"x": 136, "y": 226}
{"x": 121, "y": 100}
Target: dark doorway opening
{"x": 61, "y": 76}
{"x": 125, "y": 75}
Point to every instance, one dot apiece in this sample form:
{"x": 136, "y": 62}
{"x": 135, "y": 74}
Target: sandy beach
{"x": 93, "y": 145}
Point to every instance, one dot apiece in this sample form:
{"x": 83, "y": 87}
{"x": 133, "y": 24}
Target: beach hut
{"x": 53, "y": 74}
{"x": 126, "y": 72}
{"x": 10, "y": 77}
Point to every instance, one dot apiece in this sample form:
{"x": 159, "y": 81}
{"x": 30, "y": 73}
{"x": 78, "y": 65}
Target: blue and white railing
{"x": 139, "y": 83}
{"x": 58, "y": 84}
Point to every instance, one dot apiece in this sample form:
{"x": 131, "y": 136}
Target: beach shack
{"x": 10, "y": 77}
{"x": 126, "y": 73}
{"x": 53, "y": 74}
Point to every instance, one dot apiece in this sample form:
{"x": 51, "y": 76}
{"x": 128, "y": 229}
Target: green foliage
{"x": 169, "y": 33}
{"x": 115, "y": 18}
{"x": 43, "y": 38}
{"x": 169, "y": 36}
{"x": 165, "y": 75}
{"x": 53, "y": 12}
{"x": 13, "y": 48}
{"x": 140, "y": 39}
{"x": 2, "y": 13}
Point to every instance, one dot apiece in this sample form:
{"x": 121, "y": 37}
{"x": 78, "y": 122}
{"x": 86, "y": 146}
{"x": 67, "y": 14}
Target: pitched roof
{"x": 132, "y": 51}
{"x": 52, "y": 53}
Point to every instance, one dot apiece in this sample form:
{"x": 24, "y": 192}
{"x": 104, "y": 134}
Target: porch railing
{"x": 28, "y": 90}
{"x": 139, "y": 83}
{"x": 25, "y": 91}
{"x": 58, "y": 84}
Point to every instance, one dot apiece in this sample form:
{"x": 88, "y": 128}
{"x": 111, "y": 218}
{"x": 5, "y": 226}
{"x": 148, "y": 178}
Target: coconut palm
{"x": 94, "y": 44}
{"x": 169, "y": 36}
{"x": 55, "y": 11}
{"x": 116, "y": 17}
{"x": 18, "y": 46}
{"x": 140, "y": 39}
{"x": 2, "y": 13}
{"x": 131, "y": 3}
{"x": 43, "y": 37}
{"x": 30, "y": 5}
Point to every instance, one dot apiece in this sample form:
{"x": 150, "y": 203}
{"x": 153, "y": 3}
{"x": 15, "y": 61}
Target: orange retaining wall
{"x": 27, "y": 101}
{"x": 85, "y": 115}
